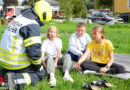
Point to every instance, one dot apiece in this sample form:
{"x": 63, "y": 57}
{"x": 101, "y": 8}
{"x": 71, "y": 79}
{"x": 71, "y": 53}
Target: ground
{"x": 119, "y": 34}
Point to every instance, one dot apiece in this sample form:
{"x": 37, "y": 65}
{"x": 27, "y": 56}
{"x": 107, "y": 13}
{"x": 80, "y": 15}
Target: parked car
{"x": 102, "y": 18}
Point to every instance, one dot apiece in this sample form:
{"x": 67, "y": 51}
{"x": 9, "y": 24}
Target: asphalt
{"x": 120, "y": 59}
{"x": 123, "y": 60}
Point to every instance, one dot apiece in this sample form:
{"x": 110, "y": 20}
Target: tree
{"x": 67, "y": 7}
{"x": 30, "y": 2}
{"x": 9, "y": 3}
{"x": 78, "y": 8}
{"x": 89, "y": 4}
{"x": 25, "y": 3}
{"x": 72, "y": 8}
{"x": 104, "y": 4}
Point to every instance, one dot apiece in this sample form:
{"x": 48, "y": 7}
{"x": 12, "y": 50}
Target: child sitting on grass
{"x": 78, "y": 42}
{"x": 52, "y": 47}
{"x": 102, "y": 59}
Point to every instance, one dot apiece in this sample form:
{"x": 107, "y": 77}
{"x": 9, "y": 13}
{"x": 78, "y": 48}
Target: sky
{"x": 1, "y": 1}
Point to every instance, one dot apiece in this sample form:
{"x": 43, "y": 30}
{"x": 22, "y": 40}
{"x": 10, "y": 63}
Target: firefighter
{"x": 20, "y": 47}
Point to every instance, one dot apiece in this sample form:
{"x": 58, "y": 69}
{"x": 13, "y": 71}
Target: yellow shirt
{"x": 100, "y": 52}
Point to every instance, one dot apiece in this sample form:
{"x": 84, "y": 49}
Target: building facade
{"x": 122, "y": 7}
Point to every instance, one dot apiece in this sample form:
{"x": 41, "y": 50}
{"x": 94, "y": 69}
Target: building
{"x": 122, "y": 7}
{"x": 57, "y": 13}
{"x": 1, "y": 8}
{"x": 1, "y": 4}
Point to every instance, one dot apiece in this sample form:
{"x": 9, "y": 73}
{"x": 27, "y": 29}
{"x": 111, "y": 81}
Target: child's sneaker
{"x": 52, "y": 82}
{"x": 68, "y": 78}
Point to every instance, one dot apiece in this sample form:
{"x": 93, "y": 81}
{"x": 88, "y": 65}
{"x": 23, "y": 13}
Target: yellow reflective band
{"x": 15, "y": 44}
{"x": 11, "y": 65}
{"x": 14, "y": 67}
{"x": 32, "y": 40}
{"x": 36, "y": 62}
{"x": 14, "y": 62}
{"x": 14, "y": 57}
{"x": 13, "y": 41}
{"x": 12, "y": 53}
{"x": 27, "y": 78}
{"x": 29, "y": 44}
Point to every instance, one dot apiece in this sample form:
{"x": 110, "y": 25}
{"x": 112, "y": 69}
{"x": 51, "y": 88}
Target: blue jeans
{"x": 74, "y": 57}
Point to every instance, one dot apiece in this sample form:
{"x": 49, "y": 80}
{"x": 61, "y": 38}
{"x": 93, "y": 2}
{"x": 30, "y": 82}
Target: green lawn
{"x": 119, "y": 34}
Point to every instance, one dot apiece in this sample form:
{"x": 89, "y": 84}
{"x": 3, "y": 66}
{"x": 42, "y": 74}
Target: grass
{"x": 119, "y": 34}
{"x": 79, "y": 80}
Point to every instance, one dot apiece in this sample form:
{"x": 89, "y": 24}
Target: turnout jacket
{"x": 20, "y": 46}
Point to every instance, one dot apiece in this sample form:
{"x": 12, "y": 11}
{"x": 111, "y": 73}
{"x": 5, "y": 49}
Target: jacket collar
{"x": 31, "y": 14}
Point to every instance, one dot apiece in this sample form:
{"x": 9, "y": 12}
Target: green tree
{"x": 72, "y": 8}
{"x": 9, "y": 3}
{"x": 67, "y": 7}
{"x": 30, "y": 2}
{"x": 89, "y": 4}
{"x": 78, "y": 8}
{"x": 104, "y": 4}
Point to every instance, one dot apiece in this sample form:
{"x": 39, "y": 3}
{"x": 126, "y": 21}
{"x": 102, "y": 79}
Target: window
{"x": 95, "y": 15}
{"x": 9, "y": 9}
{"x": 100, "y": 15}
{"x": 128, "y": 3}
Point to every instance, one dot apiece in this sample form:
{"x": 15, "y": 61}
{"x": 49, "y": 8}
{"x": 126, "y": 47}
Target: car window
{"x": 107, "y": 16}
{"x": 96, "y": 15}
{"x": 104, "y": 15}
{"x": 100, "y": 15}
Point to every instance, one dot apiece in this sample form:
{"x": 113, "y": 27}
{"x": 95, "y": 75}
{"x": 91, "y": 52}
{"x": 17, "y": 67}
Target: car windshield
{"x": 106, "y": 16}
{"x": 101, "y": 15}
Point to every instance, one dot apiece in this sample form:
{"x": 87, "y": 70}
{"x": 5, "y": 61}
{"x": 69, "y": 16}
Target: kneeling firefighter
{"x": 20, "y": 47}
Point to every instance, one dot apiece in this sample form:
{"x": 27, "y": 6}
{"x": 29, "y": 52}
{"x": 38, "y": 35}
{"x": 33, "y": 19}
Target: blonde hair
{"x": 100, "y": 29}
{"x": 49, "y": 29}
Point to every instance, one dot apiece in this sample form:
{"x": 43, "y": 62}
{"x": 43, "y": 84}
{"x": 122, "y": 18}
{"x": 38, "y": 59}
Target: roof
{"x": 53, "y": 2}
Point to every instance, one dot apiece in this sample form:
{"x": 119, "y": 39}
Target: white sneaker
{"x": 52, "y": 82}
{"x": 68, "y": 78}
{"x": 88, "y": 71}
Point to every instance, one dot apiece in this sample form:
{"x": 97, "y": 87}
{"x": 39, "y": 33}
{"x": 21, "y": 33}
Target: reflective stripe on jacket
{"x": 13, "y": 47}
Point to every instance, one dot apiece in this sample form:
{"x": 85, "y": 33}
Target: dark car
{"x": 102, "y": 18}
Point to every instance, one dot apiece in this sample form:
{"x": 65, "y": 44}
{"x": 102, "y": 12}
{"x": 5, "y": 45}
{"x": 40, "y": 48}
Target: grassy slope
{"x": 118, "y": 34}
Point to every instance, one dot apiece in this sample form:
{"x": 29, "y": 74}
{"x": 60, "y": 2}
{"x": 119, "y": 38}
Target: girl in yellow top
{"x": 101, "y": 54}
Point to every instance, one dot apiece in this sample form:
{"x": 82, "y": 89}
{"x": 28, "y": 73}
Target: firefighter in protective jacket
{"x": 20, "y": 47}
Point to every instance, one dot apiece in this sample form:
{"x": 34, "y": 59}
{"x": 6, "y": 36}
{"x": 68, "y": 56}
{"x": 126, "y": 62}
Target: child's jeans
{"x": 74, "y": 57}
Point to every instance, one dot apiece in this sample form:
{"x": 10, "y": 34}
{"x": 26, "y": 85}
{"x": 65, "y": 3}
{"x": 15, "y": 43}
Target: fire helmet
{"x": 43, "y": 10}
